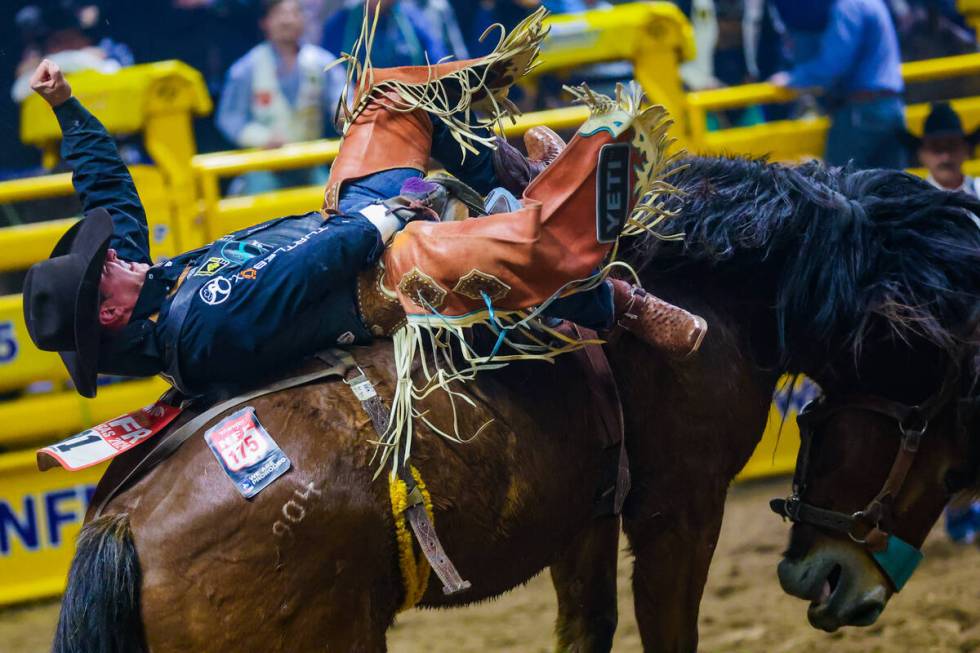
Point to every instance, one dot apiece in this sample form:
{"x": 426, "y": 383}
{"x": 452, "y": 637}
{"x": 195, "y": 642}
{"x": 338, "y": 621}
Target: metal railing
{"x": 792, "y": 140}
{"x": 221, "y": 215}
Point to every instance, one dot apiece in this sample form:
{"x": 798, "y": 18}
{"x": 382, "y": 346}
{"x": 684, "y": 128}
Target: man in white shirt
{"x": 280, "y": 93}
{"x": 944, "y": 148}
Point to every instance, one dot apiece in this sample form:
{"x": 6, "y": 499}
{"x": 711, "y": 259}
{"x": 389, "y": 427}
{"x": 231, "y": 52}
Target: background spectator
{"x": 475, "y": 16}
{"x": 944, "y": 148}
{"x": 63, "y": 33}
{"x": 729, "y": 36}
{"x": 565, "y": 6}
{"x": 439, "y": 14}
{"x": 699, "y": 73}
{"x": 849, "y": 49}
{"x": 208, "y": 35}
{"x": 763, "y": 35}
{"x": 930, "y": 29}
{"x": 315, "y": 14}
{"x": 278, "y": 93}
{"x": 403, "y": 36}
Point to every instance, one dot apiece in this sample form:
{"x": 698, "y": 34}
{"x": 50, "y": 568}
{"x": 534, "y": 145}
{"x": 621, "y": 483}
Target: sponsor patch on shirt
{"x": 107, "y": 440}
{"x": 212, "y": 266}
{"x": 215, "y": 292}
{"x": 246, "y": 451}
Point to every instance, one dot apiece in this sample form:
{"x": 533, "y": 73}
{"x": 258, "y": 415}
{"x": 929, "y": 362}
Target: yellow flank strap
{"x": 415, "y": 570}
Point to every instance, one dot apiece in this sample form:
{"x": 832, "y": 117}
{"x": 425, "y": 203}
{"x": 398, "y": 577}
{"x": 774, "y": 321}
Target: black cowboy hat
{"x": 942, "y": 121}
{"x": 61, "y": 298}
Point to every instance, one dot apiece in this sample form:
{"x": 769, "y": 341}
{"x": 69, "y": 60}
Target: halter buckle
{"x": 860, "y": 518}
{"x": 791, "y": 507}
{"x": 913, "y": 427}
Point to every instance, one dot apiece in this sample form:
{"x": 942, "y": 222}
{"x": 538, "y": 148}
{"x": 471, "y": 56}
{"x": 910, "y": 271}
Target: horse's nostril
{"x": 866, "y": 614}
{"x": 833, "y": 578}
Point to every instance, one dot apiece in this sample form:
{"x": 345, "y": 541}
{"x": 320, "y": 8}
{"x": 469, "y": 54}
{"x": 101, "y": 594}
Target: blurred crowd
{"x": 844, "y": 56}
{"x": 263, "y": 60}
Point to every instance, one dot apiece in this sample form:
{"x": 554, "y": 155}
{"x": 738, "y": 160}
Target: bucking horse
{"x": 850, "y": 277}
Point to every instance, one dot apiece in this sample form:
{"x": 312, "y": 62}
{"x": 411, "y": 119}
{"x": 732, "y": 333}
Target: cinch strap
{"x": 419, "y": 519}
{"x": 415, "y": 572}
{"x": 337, "y": 362}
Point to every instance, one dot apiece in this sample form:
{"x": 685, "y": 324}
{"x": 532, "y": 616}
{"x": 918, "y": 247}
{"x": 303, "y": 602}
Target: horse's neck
{"x": 719, "y": 397}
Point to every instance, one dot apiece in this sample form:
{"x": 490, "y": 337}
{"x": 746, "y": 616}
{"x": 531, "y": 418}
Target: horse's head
{"x": 894, "y": 435}
{"x": 881, "y": 457}
{"x": 869, "y": 283}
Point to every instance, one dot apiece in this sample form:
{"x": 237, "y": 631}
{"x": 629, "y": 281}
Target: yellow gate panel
{"x": 56, "y": 415}
{"x": 776, "y": 452}
{"x": 40, "y": 516}
{"x": 21, "y": 362}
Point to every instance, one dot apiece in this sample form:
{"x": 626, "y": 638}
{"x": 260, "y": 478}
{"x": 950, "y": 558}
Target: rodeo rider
{"x": 255, "y": 300}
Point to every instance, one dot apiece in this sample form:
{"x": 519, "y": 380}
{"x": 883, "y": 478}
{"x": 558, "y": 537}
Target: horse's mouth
{"x": 833, "y": 606}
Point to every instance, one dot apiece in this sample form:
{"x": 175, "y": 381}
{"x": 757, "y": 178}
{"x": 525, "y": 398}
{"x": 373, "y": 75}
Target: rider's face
{"x": 119, "y": 287}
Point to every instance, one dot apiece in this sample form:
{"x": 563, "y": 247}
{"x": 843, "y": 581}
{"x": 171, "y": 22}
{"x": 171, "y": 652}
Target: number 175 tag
{"x": 246, "y": 451}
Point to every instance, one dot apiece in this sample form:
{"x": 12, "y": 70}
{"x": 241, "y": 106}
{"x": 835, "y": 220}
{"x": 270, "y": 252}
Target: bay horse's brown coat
{"x": 310, "y": 564}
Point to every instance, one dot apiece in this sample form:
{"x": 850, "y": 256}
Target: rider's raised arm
{"x": 99, "y": 175}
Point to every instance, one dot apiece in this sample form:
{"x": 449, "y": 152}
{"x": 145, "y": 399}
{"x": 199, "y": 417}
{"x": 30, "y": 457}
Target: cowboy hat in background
{"x": 944, "y": 148}
{"x": 942, "y": 123}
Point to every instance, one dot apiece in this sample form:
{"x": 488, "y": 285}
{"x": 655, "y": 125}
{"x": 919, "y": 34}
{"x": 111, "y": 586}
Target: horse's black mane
{"x": 845, "y": 248}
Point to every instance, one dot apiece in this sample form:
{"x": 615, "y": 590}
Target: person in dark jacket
{"x": 404, "y": 38}
{"x": 244, "y": 306}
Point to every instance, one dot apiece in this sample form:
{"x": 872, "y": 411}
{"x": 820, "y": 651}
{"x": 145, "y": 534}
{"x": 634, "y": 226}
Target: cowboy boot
{"x": 515, "y": 171}
{"x": 388, "y": 126}
{"x": 656, "y": 322}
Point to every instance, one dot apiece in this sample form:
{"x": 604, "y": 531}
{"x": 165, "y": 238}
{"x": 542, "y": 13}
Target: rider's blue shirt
{"x": 249, "y": 303}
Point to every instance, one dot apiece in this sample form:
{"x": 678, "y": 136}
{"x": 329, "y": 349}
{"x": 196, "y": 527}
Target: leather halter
{"x": 896, "y": 557}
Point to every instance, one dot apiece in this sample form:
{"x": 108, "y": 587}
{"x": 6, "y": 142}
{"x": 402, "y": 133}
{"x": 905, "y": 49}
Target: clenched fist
{"x": 49, "y": 82}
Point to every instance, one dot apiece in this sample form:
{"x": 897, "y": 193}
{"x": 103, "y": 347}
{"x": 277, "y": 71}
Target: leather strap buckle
{"x": 860, "y": 520}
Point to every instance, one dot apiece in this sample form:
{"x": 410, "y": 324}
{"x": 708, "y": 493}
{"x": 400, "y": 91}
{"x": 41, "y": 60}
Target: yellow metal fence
{"x": 793, "y": 140}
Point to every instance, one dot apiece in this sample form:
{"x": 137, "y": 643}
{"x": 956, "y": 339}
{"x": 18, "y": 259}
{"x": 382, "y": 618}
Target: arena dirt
{"x": 743, "y": 610}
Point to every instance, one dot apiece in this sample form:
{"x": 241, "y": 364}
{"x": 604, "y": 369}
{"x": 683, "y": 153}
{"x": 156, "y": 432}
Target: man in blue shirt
{"x": 403, "y": 38}
{"x": 848, "y": 49}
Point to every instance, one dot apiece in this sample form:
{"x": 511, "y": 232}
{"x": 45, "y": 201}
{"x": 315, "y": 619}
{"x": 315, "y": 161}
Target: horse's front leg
{"x": 585, "y": 581}
{"x": 672, "y": 553}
